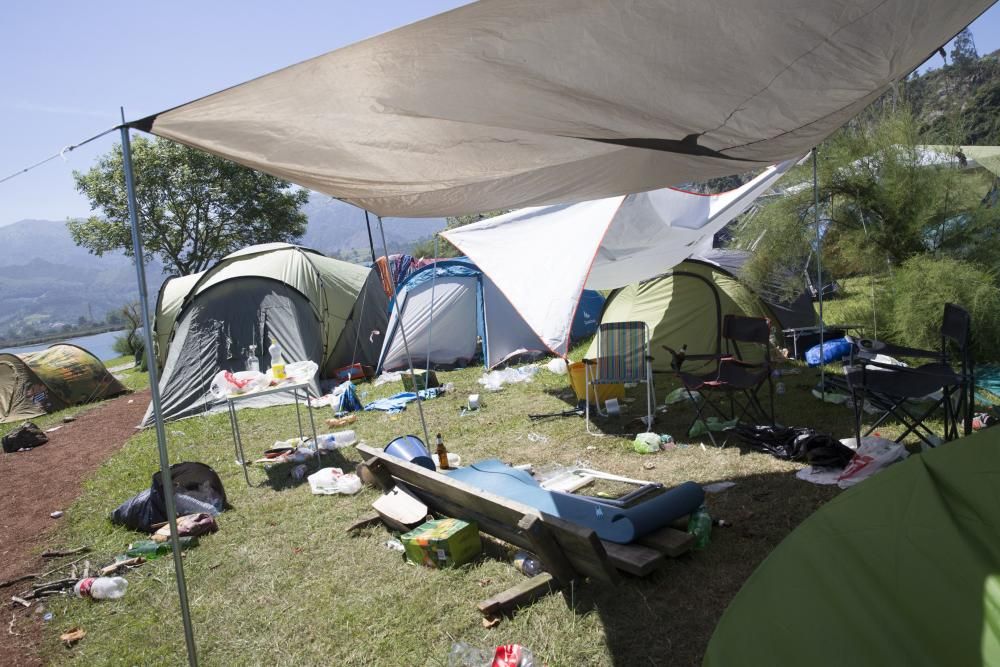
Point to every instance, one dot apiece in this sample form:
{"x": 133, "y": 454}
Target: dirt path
{"x": 34, "y": 484}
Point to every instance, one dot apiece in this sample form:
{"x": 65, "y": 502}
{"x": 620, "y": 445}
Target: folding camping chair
{"x": 732, "y": 375}
{"x": 622, "y": 357}
{"x": 888, "y": 387}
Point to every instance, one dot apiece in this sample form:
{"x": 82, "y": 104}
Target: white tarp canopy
{"x": 601, "y": 244}
{"x": 510, "y": 103}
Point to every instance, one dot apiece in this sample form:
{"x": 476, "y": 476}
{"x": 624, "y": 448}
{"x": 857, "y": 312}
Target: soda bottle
{"x": 700, "y": 525}
{"x": 277, "y": 361}
{"x": 527, "y": 564}
{"x": 101, "y": 588}
{"x": 149, "y": 549}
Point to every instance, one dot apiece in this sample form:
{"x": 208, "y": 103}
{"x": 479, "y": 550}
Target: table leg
{"x": 312, "y": 424}
{"x": 238, "y": 442}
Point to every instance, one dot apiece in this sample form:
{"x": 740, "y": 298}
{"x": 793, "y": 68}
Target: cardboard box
{"x": 420, "y": 379}
{"x": 442, "y": 543}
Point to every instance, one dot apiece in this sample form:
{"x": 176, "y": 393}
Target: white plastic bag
{"x": 557, "y": 366}
{"x": 331, "y": 481}
{"x": 495, "y": 380}
{"x": 300, "y": 371}
{"x": 873, "y": 455}
{"x": 227, "y": 383}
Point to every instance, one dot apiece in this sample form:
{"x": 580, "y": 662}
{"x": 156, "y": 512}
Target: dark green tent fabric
{"x": 903, "y": 569}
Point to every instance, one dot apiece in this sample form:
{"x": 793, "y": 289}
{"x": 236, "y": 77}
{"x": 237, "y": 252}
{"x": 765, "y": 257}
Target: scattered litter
{"x": 718, "y": 487}
{"x": 473, "y": 402}
{"x": 648, "y": 465}
{"x": 387, "y": 377}
{"x": 54, "y": 428}
{"x": 131, "y": 400}
{"x": 680, "y": 395}
{"x": 591, "y": 448}
{"x": 68, "y": 419}
{"x": 101, "y": 588}
{"x": 24, "y": 437}
{"x": 537, "y": 437}
{"x": 73, "y": 636}
{"x": 298, "y": 473}
{"x": 712, "y": 424}
{"x": 394, "y": 545}
{"x": 557, "y": 366}
{"x": 337, "y": 422}
{"x": 494, "y": 380}
{"x": 337, "y": 440}
{"x": 703, "y": 446}
{"x": 331, "y": 481}
{"x": 56, "y": 514}
{"x": 47, "y": 616}
{"x": 188, "y": 525}
{"x": 646, "y": 443}
{"x": 509, "y": 655}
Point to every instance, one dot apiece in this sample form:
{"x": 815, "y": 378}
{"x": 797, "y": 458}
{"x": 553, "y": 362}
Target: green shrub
{"x": 916, "y": 295}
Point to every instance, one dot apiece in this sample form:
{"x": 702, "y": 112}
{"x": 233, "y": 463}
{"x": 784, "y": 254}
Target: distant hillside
{"x": 46, "y": 280}
{"x": 958, "y": 104}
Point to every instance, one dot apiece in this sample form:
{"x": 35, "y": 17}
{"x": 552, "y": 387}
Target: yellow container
{"x": 578, "y": 380}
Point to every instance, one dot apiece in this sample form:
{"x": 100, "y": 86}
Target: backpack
{"x": 25, "y": 436}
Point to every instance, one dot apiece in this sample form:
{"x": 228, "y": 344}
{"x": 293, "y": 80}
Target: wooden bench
{"x": 569, "y": 551}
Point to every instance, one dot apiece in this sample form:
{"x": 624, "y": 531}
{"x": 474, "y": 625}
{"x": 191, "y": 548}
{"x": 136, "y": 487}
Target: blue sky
{"x": 68, "y": 66}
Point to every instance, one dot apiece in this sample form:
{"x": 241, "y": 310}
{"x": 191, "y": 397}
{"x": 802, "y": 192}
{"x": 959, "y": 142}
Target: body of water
{"x": 100, "y": 345}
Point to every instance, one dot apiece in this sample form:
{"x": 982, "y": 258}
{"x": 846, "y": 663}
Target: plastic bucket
{"x": 411, "y": 448}
{"x": 578, "y": 380}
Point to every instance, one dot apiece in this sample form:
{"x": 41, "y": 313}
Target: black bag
{"x": 25, "y": 436}
{"x": 194, "y": 480}
{"x": 797, "y": 444}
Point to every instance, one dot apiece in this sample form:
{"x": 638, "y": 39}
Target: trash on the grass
{"x": 56, "y": 514}
{"x": 338, "y": 422}
{"x": 24, "y": 437}
{"x": 336, "y": 440}
{"x": 71, "y": 637}
{"x": 537, "y": 437}
{"x": 473, "y": 402}
{"x": 400, "y": 506}
{"x": 680, "y": 395}
{"x": 388, "y": 377}
{"x": 197, "y": 488}
{"x": 646, "y": 443}
{"x": 495, "y": 380}
{"x": 700, "y": 525}
{"x": 149, "y": 549}
{"x": 718, "y": 487}
{"x": 47, "y": 616}
{"x": 713, "y": 424}
{"x": 557, "y": 366}
{"x": 419, "y": 379}
{"x": 101, "y": 588}
{"x": 443, "y": 543}
{"x": 527, "y": 564}
{"x": 394, "y": 545}
{"x": 188, "y": 525}
{"x": 332, "y": 481}
{"x": 343, "y": 398}
{"x": 54, "y": 428}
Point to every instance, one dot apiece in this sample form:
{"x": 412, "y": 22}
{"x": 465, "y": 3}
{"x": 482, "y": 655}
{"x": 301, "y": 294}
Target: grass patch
{"x": 282, "y": 583}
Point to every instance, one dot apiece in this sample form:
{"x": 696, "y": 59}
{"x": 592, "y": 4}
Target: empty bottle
{"x": 700, "y": 525}
{"x": 101, "y": 588}
{"x": 149, "y": 549}
{"x": 277, "y": 361}
{"x": 527, "y": 564}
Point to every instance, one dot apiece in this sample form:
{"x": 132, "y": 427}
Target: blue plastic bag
{"x": 832, "y": 350}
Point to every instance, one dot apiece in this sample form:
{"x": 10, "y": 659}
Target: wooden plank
{"x": 547, "y": 550}
{"x": 374, "y": 470}
{"x": 669, "y": 541}
{"x": 364, "y": 521}
{"x": 523, "y": 594}
{"x": 580, "y": 544}
{"x": 633, "y": 558}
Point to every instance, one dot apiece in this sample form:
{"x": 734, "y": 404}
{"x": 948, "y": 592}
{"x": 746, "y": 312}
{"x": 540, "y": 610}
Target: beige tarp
{"x": 511, "y": 103}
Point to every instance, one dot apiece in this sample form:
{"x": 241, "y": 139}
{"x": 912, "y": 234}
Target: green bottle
{"x": 700, "y": 525}
{"x": 149, "y": 549}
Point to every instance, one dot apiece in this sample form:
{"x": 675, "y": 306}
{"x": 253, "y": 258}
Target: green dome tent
{"x": 316, "y": 307}
{"x": 903, "y": 569}
{"x": 685, "y": 306}
{"x": 52, "y": 379}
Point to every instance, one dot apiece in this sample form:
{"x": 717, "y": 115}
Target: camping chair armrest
{"x": 903, "y": 351}
{"x": 590, "y": 362}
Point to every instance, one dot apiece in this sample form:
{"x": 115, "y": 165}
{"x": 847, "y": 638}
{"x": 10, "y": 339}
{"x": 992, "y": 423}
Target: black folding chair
{"x": 890, "y": 388}
{"x": 732, "y": 379}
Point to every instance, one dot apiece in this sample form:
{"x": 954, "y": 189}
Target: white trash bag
{"x": 873, "y": 455}
{"x": 301, "y": 371}
{"x": 227, "y": 383}
{"x": 557, "y": 366}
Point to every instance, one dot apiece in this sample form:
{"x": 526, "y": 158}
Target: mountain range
{"x": 46, "y": 280}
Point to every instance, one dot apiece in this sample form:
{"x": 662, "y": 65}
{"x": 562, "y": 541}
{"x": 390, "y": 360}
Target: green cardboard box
{"x": 420, "y": 379}
{"x": 442, "y": 543}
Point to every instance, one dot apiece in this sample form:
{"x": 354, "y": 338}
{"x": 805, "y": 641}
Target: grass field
{"x": 282, "y": 583}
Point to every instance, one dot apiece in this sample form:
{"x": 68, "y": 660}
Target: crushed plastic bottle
{"x": 527, "y": 564}
{"x": 101, "y": 588}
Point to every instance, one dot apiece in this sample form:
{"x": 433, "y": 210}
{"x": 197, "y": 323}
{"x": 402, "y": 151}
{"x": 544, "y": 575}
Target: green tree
{"x": 883, "y": 200}
{"x": 963, "y": 51}
{"x": 193, "y": 207}
{"x": 425, "y": 248}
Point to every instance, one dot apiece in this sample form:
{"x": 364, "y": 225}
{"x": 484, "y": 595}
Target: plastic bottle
{"x": 149, "y": 549}
{"x": 101, "y": 588}
{"x": 277, "y": 361}
{"x": 527, "y": 564}
{"x": 700, "y": 525}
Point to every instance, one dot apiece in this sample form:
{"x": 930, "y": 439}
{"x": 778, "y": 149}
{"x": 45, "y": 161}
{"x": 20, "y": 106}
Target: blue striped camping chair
{"x": 622, "y": 357}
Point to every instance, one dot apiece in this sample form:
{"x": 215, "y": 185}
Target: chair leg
{"x": 586, "y": 400}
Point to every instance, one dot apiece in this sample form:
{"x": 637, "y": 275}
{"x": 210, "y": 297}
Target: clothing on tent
{"x": 510, "y": 103}
{"x": 318, "y": 309}
{"x": 603, "y": 244}
{"x": 58, "y": 377}
{"x": 452, "y": 314}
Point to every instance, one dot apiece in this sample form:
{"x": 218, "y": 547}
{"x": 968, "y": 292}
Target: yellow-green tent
{"x": 52, "y": 379}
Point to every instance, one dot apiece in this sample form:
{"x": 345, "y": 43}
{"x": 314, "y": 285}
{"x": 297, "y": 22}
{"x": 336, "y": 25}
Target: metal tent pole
{"x": 371, "y": 243}
{"x": 161, "y": 438}
{"x": 402, "y": 330}
{"x": 819, "y": 274}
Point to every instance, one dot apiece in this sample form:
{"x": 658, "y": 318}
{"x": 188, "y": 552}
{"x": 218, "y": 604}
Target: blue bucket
{"x": 411, "y": 448}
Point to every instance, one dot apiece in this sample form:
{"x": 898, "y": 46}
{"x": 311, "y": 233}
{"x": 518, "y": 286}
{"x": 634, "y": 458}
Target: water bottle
{"x": 101, "y": 588}
{"x": 700, "y": 525}
{"x": 527, "y": 564}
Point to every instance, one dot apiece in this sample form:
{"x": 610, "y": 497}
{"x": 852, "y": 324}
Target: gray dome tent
{"x": 316, "y": 307}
